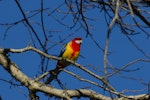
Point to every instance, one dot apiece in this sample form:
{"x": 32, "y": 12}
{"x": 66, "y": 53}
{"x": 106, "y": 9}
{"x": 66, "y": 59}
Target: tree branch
{"x": 59, "y": 58}
{"x": 33, "y": 85}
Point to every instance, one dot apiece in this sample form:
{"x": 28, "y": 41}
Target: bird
{"x": 69, "y": 51}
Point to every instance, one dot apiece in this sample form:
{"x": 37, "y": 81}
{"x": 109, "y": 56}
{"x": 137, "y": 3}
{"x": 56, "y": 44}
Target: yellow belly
{"x": 70, "y": 54}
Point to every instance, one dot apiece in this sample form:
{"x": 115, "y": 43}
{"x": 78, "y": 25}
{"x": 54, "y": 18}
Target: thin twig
{"x": 41, "y": 76}
{"x": 91, "y": 82}
{"x": 27, "y": 22}
{"x": 131, "y": 10}
{"x": 127, "y": 65}
{"x": 108, "y": 37}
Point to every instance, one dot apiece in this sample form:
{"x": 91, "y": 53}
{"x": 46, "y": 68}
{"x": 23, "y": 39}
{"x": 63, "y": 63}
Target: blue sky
{"x": 122, "y": 50}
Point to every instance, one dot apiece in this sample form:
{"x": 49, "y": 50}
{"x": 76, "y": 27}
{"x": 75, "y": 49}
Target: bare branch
{"x": 108, "y": 37}
{"x": 33, "y": 85}
{"x": 137, "y": 47}
{"x": 59, "y": 58}
{"x": 127, "y": 65}
{"x": 27, "y": 22}
{"x": 91, "y": 82}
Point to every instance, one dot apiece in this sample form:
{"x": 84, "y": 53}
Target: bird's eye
{"x": 78, "y": 41}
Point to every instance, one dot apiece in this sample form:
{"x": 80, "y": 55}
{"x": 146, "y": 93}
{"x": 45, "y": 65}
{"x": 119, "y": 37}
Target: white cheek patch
{"x": 78, "y": 41}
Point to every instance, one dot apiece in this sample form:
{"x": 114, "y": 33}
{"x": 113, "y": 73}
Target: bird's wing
{"x": 63, "y": 49}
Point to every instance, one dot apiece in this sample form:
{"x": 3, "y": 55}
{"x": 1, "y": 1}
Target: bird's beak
{"x": 80, "y": 42}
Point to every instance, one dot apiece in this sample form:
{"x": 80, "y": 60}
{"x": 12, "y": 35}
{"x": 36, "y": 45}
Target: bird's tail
{"x": 53, "y": 75}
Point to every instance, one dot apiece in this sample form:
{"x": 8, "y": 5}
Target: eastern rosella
{"x": 70, "y": 51}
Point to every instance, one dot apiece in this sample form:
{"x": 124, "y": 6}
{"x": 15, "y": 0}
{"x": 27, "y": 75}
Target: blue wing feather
{"x": 62, "y": 50}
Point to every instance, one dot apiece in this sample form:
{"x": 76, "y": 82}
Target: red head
{"x": 76, "y": 42}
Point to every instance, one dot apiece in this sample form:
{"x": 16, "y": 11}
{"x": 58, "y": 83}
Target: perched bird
{"x": 70, "y": 51}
